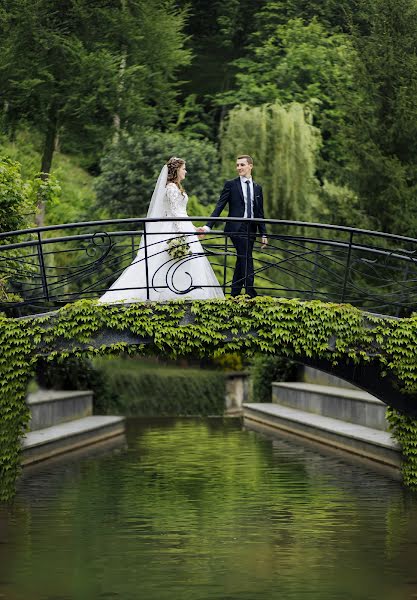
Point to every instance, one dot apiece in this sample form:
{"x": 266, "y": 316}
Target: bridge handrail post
{"x": 403, "y": 297}
{"x": 145, "y": 244}
{"x": 42, "y": 266}
{"x": 132, "y": 245}
{"x": 314, "y": 274}
{"x": 225, "y": 265}
{"x": 347, "y": 267}
{"x": 245, "y": 281}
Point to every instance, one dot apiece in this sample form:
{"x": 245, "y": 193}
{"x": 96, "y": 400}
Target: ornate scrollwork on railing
{"x": 97, "y": 243}
{"x": 174, "y": 273}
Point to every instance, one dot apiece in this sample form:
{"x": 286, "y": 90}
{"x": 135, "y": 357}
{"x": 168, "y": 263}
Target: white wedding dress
{"x": 166, "y": 278}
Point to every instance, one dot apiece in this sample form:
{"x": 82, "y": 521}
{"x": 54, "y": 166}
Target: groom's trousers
{"x": 243, "y": 240}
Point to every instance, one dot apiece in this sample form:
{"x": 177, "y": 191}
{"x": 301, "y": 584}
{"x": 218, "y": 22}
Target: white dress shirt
{"x": 243, "y": 181}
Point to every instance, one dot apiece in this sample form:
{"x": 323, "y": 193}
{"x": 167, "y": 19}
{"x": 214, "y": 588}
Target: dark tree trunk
{"x": 120, "y": 87}
{"x": 48, "y": 153}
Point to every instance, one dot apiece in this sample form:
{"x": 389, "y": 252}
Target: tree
{"x": 299, "y": 62}
{"x": 341, "y": 206}
{"x": 18, "y": 197}
{"x": 219, "y": 31}
{"x": 333, "y": 14}
{"x": 70, "y": 69}
{"x": 381, "y": 135}
{"x": 131, "y": 167}
{"x": 284, "y": 146}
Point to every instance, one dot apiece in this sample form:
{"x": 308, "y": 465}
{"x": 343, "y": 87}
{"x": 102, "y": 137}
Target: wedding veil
{"x": 156, "y": 204}
{"x": 156, "y": 207}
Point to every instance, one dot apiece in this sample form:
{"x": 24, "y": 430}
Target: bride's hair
{"x": 173, "y": 165}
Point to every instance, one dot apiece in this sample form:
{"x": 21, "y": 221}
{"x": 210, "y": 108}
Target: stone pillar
{"x": 236, "y": 393}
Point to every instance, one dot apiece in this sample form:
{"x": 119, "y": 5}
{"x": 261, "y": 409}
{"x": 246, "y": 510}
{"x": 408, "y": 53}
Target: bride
{"x": 155, "y": 274}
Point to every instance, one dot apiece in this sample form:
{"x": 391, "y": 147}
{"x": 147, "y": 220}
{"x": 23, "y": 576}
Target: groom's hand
{"x": 264, "y": 241}
{"x": 201, "y": 233}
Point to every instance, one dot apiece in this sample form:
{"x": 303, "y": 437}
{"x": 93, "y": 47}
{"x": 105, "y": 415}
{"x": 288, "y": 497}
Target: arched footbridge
{"x": 337, "y": 298}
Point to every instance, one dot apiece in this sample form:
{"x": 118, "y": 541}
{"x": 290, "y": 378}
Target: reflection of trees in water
{"x": 200, "y": 505}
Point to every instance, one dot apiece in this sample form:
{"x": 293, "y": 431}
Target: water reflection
{"x": 201, "y": 509}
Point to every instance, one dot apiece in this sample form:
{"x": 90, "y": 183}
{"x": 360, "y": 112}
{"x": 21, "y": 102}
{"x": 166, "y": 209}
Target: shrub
{"x": 266, "y": 369}
{"x": 131, "y": 168}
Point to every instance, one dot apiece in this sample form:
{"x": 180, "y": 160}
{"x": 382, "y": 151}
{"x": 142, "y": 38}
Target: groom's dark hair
{"x": 248, "y": 158}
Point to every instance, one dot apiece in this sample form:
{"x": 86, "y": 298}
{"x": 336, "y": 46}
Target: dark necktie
{"x": 248, "y": 200}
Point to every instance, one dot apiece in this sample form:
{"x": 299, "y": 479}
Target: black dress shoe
{"x": 252, "y": 293}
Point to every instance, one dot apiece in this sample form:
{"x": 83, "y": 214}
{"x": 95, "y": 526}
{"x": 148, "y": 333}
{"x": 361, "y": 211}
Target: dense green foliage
{"x": 15, "y": 197}
{"x": 381, "y": 135}
{"x": 79, "y": 72}
{"x": 266, "y": 369}
{"x": 133, "y": 83}
{"x": 16, "y": 368}
{"x": 135, "y": 389}
{"x": 95, "y": 67}
{"x": 73, "y": 373}
{"x": 18, "y": 204}
{"x": 269, "y": 326}
{"x": 132, "y": 387}
{"x": 219, "y": 31}
{"x": 404, "y": 429}
{"x": 19, "y": 197}
{"x": 132, "y": 166}
{"x": 332, "y": 13}
{"x": 77, "y": 196}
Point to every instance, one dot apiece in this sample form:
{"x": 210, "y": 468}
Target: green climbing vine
{"x": 404, "y": 429}
{"x": 264, "y": 325}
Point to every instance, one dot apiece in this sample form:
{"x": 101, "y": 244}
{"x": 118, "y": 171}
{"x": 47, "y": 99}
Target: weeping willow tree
{"x": 284, "y": 146}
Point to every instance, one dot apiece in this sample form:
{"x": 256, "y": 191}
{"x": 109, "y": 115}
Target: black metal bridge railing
{"x": 46, "y": 267}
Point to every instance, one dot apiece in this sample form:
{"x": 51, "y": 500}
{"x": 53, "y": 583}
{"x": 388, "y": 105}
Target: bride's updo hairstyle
{"x": 173, "y": 165}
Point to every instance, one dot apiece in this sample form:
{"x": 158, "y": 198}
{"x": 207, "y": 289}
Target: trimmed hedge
{"x": 163, "y": 391}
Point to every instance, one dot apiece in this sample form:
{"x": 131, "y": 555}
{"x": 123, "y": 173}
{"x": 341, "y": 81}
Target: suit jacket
{"x": 232, "y": 194}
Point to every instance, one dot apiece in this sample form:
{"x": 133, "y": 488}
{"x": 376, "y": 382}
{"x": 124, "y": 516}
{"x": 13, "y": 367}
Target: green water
{"x": 202, "y": 510}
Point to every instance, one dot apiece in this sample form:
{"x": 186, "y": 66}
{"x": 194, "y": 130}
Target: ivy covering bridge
{"x": 327, "y": 296}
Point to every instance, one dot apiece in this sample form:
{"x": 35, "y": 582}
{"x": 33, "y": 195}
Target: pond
{"x": 202, "y": 509}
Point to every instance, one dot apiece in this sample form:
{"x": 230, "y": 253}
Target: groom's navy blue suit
{"x": 232, "y": 195}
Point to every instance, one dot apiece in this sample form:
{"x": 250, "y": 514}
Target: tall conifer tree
{"x": 381, "y": 137}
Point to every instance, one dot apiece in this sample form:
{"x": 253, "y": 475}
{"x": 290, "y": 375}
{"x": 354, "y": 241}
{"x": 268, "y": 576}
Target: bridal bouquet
{"x": 178, "y": 247}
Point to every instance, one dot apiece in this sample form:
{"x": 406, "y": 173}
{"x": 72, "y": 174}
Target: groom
{"x": 245, "y": 200}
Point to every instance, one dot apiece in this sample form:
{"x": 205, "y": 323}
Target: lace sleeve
{"x": 173, "y": 204}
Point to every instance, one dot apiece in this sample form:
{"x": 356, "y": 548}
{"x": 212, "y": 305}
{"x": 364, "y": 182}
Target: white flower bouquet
{"x": 178, "y": 247}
